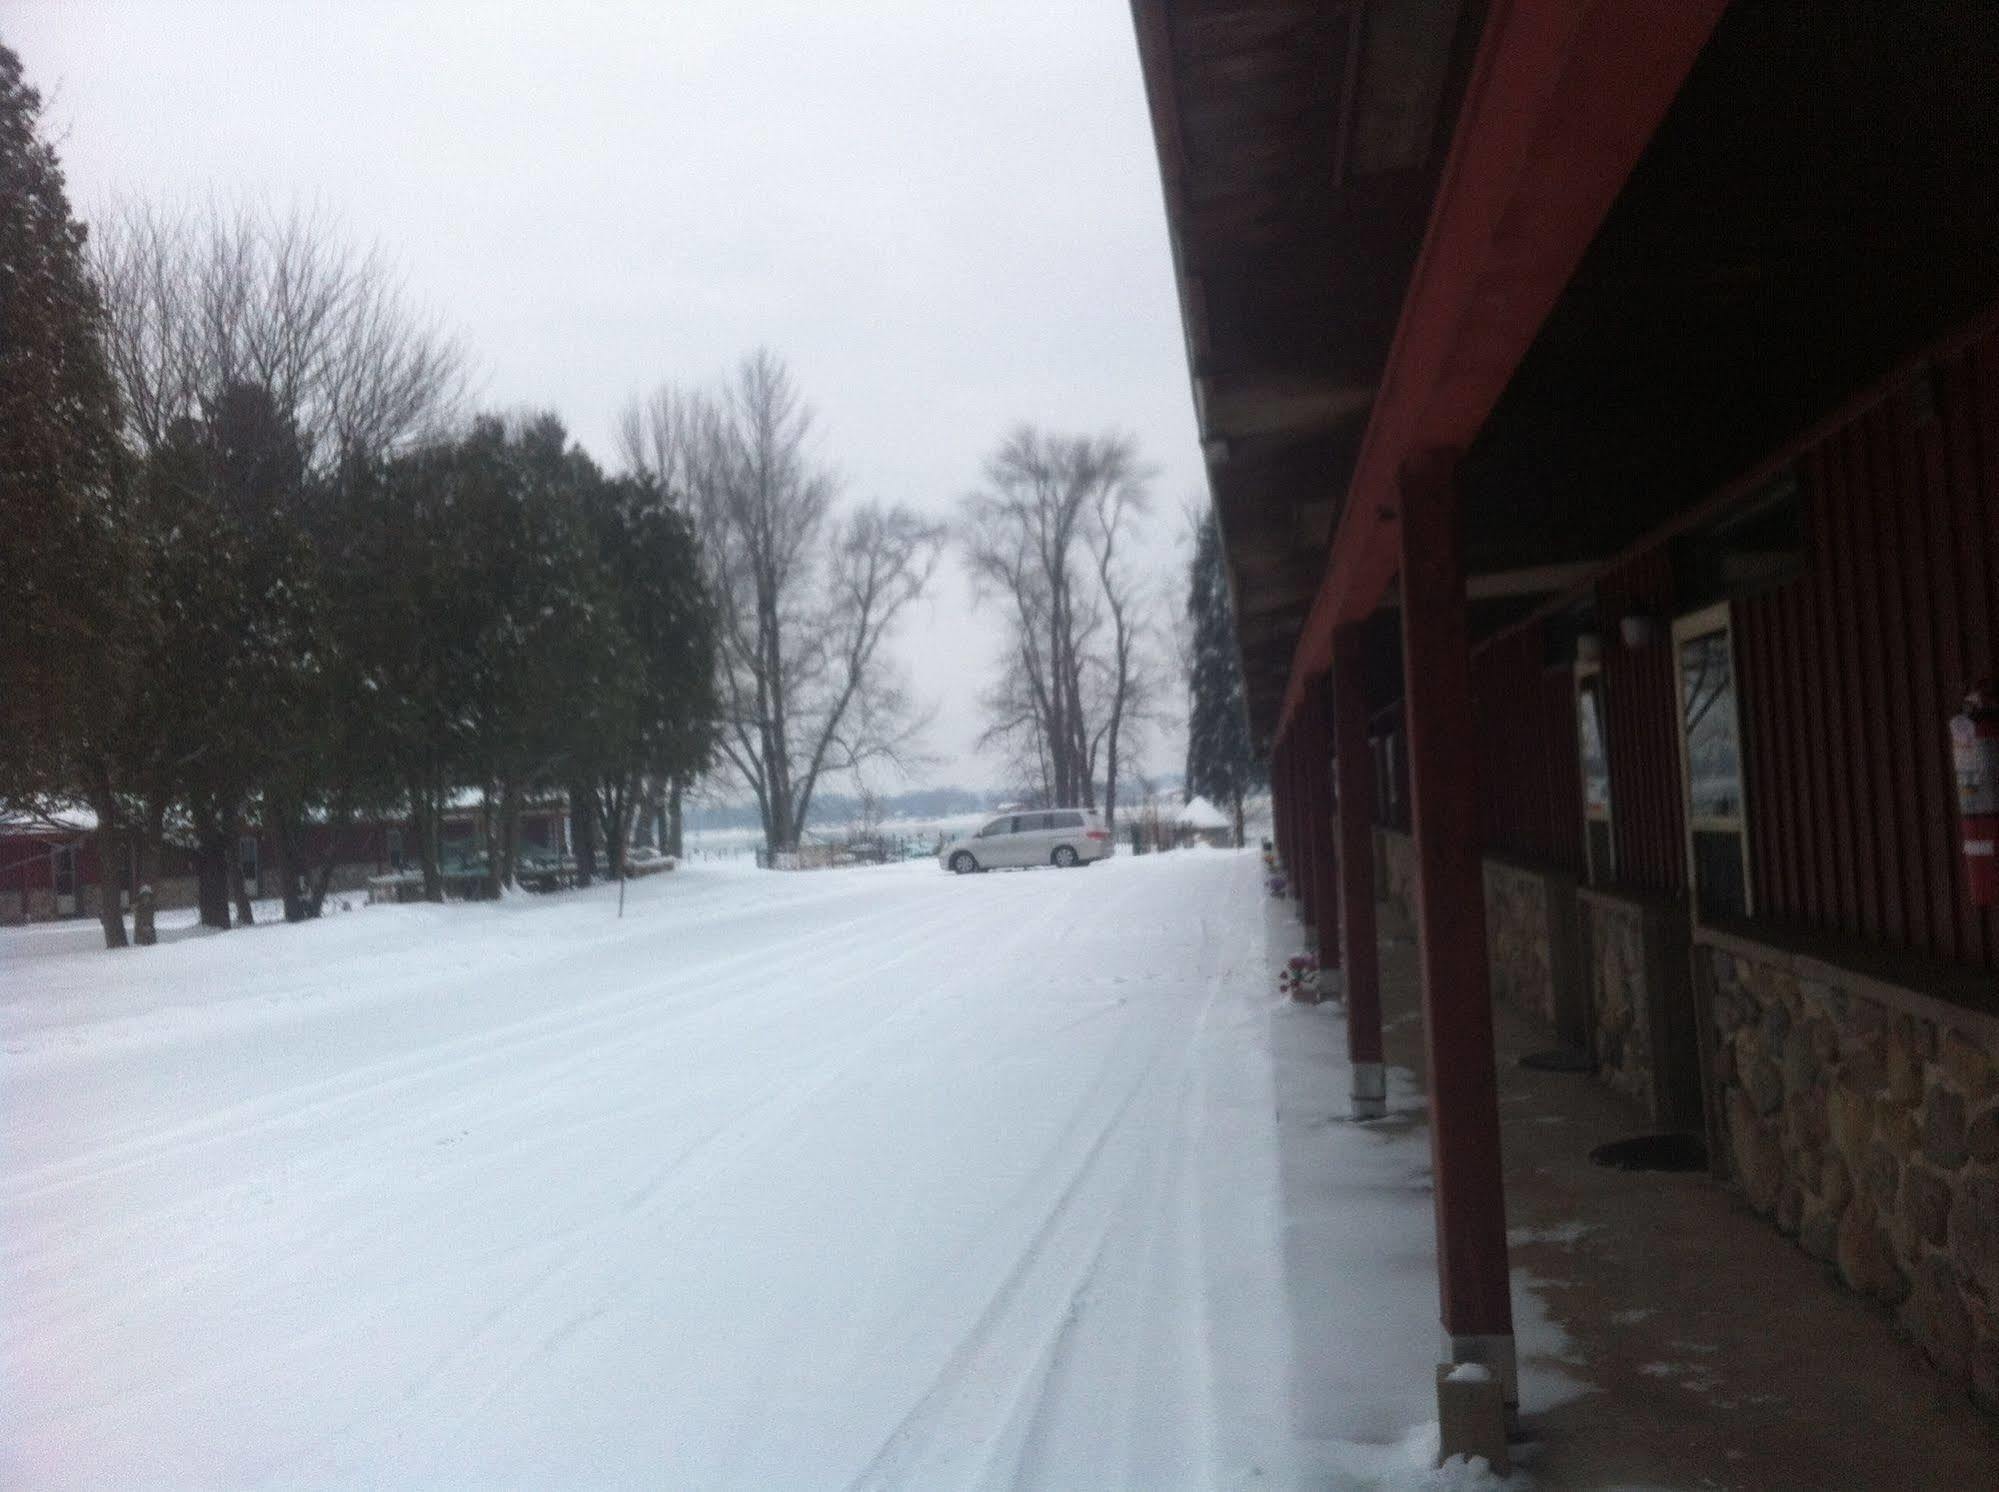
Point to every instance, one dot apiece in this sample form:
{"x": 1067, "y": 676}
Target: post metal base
{"x": 1370, "y": 1090}
{"x": 1472, "y": 1419}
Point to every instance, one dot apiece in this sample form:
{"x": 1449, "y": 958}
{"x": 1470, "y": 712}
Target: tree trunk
{"x": 673, "y": 819}
{"x": 583, "y": 831}
{"x": 110, "y": 880}
{"x": 145, "y": 931}
{"x": 1110, "y": 784}
{"x": 290, "y": 835}
{"x": 211, "y": 870}
{"x": 1240, "y": 838}
{"x": 489, "y": 823}
{"x": 615, "y": 842}
{"x": 245, "y": 916}
{"x": 322, "y": 874}
{"x": 510, "y": 834}
{"x": 322, "y": 879}
{"x": 427, "y": 811}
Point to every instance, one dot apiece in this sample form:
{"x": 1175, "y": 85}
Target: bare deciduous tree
{"x": 1047, "y": 539}
{"x": 807, "y": 595}
{"x": 200, "y": 300}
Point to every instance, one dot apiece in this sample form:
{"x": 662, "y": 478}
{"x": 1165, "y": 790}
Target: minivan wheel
{"x": 963, "y": 863}
{"x": 1064, "y": 857}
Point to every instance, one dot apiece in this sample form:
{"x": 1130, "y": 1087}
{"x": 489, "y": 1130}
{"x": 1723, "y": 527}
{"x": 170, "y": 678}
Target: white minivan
{"x": 1052, "y": 836}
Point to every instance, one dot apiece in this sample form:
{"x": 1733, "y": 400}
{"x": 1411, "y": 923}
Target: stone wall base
{"x": 1531, "y": 943}
{"x": 1638, "y": 988}
{"x": 1865, "y": 1125}
{"x": 1395, "y": 882}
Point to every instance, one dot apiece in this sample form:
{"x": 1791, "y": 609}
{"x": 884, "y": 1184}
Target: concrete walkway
{"x": 1716, "y": 1354}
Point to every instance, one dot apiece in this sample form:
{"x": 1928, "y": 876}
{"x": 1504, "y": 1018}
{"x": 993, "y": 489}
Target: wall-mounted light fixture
{"x": 1638, "y": 632}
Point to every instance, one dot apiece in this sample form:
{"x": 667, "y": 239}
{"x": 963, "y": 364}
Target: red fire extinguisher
{"x": 1974, "y": 749}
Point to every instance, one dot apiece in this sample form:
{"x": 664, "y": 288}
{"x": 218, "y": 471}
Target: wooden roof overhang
{"x": 1665, "y": 242}
{"x": 1300, "y": 143}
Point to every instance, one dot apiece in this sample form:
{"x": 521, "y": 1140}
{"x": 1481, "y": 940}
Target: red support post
{"x": 1305, "y": 813}
{"x": 1322, "y": 889}
{"x": 1280, "y": 806}
{"x": 1450, "y": 901}
{"x": 1294, "y": 824}
{"x": 1353, "y": 777}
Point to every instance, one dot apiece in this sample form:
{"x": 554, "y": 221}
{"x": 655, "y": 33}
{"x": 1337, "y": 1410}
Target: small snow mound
{"x": 1472, "y": 1474}
{"x": 1201, "y": 814}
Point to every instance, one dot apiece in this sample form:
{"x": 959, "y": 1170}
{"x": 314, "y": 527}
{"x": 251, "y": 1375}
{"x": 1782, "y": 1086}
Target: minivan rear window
{"x": 1066, "y": 821}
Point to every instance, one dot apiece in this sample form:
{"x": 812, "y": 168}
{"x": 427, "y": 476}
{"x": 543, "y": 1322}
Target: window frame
{"x": 1706, "y": 622}
{"x": 1589, "y": 679}
{"x": 253, "y": 873}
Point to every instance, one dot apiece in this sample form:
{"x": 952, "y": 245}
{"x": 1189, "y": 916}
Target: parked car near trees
{"x": 1061, "y": 837}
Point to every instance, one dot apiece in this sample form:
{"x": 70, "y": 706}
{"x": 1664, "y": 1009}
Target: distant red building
{"x": 49, "y": 867}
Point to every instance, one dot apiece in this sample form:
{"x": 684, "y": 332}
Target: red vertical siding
{"x": 1530, "y": 782}
{"x": 1641, "y": 720}
{"x": 1850, "y": 671}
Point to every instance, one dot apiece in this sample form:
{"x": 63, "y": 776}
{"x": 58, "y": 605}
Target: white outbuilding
{"x": 1200, "y": 822}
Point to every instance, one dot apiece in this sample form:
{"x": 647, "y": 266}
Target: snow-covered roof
{"x": 1201, "y": 814}
{"x": 60, "y": 818}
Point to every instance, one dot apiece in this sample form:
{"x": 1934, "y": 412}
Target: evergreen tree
{"x": 522, "y": 623}
{"x": 75, "y": 614}
{"x": 652, "y": 718}
{"x": 1222, "y": 764}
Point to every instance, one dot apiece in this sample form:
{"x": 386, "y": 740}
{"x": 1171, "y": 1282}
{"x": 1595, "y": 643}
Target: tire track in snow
{"x": 575, "y": 1241}
{"x": 1080, "y": 1226}
{"x": 654, "y": 1193}
{"x": 1032, "y": 1315}
{"x": 959, "y": 1433}
{"x": 768, "y": 1115}
{"x": 407, "y": 1122}
{"x": 630, "y": 1004}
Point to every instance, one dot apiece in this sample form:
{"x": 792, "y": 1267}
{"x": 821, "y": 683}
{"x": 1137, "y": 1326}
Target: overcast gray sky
{"x": 944, "y": 215}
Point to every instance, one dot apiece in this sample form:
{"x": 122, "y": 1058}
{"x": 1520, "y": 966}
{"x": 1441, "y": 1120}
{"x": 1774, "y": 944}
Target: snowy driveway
{"x": 856, "y": 1178}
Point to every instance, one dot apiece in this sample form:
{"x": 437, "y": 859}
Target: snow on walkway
{"x": 846, "y": 1179}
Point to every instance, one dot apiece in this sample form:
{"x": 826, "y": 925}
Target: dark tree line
{"x": 1222, "y": 764}
{"x": 260, "y": 572}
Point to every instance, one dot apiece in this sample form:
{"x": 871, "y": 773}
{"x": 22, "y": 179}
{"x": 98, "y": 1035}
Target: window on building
{"x": 246, "y": 861}
{"x": 395, "y": 848}
{"x": 1593, "y": 747}
{"x": 64, "y": 861}
{"x": 1711, "y": 762}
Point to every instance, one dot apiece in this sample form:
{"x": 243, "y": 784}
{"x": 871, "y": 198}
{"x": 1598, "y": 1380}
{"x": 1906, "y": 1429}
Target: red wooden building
{"x": 50, "y": 866}
{"x": 1601, "y": 402}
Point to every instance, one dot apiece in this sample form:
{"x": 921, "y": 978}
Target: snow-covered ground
{"x": 856, "y": 1178}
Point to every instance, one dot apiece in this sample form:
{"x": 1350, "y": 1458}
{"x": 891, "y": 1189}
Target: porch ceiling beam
{"x": 1237, "y": 409}
{"x": 1504, "y": 585}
